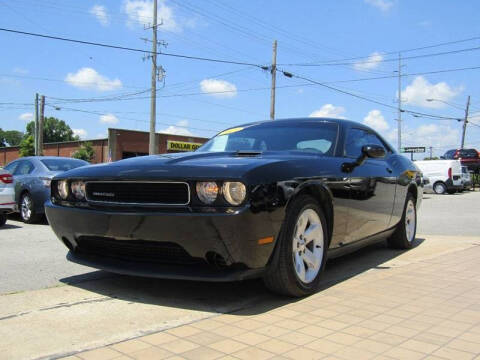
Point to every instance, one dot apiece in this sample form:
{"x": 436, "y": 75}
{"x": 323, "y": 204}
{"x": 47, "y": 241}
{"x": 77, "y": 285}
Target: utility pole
{"x": 40, "y": 125}
{"x": 274, "y": 73}
{"x": 152, "y": 144}
{"x": 35, "y": 134}
{"x": 399, "y": 129}
{"x": 465, "y": 121}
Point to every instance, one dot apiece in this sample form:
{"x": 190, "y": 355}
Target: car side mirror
{"x": 373, "y": 151}
{"x": 368, "y": 151}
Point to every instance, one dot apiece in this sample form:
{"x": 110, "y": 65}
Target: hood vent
{"x": 248, "y": 153}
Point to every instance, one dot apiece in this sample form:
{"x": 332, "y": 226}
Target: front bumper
{"x": 224, "y": 243}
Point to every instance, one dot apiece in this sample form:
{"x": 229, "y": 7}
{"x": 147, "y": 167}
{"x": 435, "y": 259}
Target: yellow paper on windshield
{"x": 231, "y": 131}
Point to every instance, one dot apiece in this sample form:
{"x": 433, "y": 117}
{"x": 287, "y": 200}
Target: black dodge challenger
{"x": 271, "y": 199}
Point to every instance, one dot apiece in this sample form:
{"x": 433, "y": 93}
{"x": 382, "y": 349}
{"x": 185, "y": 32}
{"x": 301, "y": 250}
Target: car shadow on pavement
{"x": 231, "y": 297}
{"x": 9, "y": 226}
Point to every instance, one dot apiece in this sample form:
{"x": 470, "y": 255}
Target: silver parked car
{"x": 7, "y": 195}
{"x": 32, "y": 176}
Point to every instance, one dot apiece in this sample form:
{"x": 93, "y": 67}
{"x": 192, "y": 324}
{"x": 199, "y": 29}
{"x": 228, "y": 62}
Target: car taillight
{"x": 450, "y": 173}
{"x": 6, "y": 178}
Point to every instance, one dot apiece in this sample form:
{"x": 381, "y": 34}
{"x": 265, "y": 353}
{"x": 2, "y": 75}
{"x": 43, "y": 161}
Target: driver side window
{"x": 357, "y": 138}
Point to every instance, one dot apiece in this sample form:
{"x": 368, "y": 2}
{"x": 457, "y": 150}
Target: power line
{"x": 132, "y": 119}
{"x": 118, "y": 47}
{"x": 386, "y": 60}
{"x": 432, "y": 116}
{"x": 407, "y": 50}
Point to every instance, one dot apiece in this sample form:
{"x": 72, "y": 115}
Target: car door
{"x": 372, "y": 187}
{"x": 22, "y": 174}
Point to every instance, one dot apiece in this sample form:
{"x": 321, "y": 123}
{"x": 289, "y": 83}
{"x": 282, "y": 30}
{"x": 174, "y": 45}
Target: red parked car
{"x": 468, "y": 157}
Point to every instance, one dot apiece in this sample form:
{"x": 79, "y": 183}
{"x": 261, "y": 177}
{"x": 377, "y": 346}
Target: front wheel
{"x": 406, "y": 229}
{"x": 301, "y": 250}
{"x": 439, "y": 188}
{"x": 3, "y": 219}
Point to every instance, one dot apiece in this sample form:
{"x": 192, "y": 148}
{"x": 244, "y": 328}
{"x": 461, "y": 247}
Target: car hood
{"x": 225, "y": 165}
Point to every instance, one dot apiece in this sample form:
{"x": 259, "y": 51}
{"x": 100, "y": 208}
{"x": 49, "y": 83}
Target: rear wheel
{"x": 301, "y": 250}
{"x": 439, "y": 188}
{"x": 27, "y": 209}
{"x": 3, "y": 219}
{"x": 406, "y": 229}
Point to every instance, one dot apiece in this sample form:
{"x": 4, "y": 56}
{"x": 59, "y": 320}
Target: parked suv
{"x": 468, "y": 157}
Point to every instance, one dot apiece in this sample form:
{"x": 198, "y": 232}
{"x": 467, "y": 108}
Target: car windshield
{"x": 63, "y": 164}
{"x": 317, "y": 137}
{"x": 468, "y": 153}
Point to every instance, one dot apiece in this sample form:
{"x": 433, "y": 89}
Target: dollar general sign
{"x": 182, "y": 145}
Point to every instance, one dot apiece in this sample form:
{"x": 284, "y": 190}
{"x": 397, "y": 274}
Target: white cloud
{"x": 20, "y": 70}
{"x": 26, "y": 116}
{"x": 329, "y": 111}
{"x": 383, "y": 5}
{"x": 441, "y": 137}
{"x": 421, "y": 89}
{"x": 369, "y": 63}
{"x": 88, "y": 78}
{"x": 100, "y": 12}
{"x": 81, "y": 133}
{"x": 139, "y": 12}
{"x": 179, "y": 129}
{"x": 218, "y": 88}
{"x": 376, "y": 121}
{"x": 108, "y": 119}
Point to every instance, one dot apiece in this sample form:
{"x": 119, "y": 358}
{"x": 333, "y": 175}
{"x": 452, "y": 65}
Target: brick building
{"x": 120, "y": 144}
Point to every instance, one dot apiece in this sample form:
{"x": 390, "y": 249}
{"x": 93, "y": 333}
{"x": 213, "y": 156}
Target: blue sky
{"x": 307, "y": 32}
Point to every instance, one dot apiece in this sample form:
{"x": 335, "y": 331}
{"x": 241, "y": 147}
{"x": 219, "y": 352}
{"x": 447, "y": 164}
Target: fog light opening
{"x": 216, "y": 260}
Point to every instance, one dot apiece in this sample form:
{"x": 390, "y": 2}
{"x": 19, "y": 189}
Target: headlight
{"x": 62, "y": 188}
{"x": 207, "y": 191}
{"x": 78, "y": 189}
{"x": 234, "y": 192}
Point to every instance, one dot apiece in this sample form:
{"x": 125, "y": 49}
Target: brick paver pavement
{"x": 427, "y": 309}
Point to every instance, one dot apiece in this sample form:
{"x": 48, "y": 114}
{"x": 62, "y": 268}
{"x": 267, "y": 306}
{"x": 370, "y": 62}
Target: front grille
{"x": 138, "y": 193}
{"x": 135, "y": 250}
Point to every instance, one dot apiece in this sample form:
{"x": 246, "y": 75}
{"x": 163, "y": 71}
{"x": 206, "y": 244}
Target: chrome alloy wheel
{"x": 308, "y": 243}
{"x": 26, "y": 207}
{"x": 410, "y": 221}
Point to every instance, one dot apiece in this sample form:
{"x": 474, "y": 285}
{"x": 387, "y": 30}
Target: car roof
{"x": 294, "y": 121}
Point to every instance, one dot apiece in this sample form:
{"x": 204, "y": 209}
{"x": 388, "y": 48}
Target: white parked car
{"x": 445, "y": 175}
{"x": 7, "y": 195}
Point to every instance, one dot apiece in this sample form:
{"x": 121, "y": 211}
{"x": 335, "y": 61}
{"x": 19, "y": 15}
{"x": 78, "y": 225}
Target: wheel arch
{"x": 412, "y": 189}
{"x": 324, "y": 198}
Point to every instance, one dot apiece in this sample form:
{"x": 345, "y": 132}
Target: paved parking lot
{"x": 376, "y": 303}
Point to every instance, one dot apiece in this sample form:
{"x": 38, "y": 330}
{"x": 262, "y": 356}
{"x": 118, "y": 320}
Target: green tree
{"x": 27, "y": 146}
{"x": 85, "y": 152}
{"x": 54, "y": 130}
{"x": 10, "y": 137}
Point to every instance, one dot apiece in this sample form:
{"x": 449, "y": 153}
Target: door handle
{"x": 389, "y": 170}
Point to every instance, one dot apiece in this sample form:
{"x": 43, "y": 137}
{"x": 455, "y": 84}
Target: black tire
{"x": 28, "y": 216}
{"x": 281, "y": 276}
{"x": 439, "y": 188}
{"x": 3, "y": 219}
{"x": 400, "y": 239}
